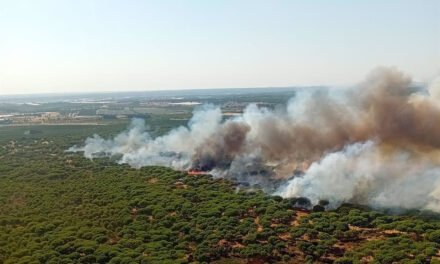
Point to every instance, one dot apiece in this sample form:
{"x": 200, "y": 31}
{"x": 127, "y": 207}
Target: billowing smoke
{"x": 376, "y": 144}
{"x": 361, "y": 173}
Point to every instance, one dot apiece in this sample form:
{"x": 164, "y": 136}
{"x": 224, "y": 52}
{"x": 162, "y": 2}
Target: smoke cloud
{"x": 377, "y": 143}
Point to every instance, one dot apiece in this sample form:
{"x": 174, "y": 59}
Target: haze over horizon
{"x": 113, "y": 46}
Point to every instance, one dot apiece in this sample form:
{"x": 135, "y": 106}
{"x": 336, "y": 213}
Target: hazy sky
{"x": 127, "y": 45}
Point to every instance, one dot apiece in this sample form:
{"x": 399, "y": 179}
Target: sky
{"x": 56, "y": 46}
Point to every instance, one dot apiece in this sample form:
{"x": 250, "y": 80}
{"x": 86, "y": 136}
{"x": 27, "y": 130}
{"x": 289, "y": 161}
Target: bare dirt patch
{"x": 152, "y": 180}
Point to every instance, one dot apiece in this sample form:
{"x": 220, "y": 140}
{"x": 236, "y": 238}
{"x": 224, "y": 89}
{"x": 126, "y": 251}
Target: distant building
{"x": 50, "y": 115}
{"x": 121, "y": 113}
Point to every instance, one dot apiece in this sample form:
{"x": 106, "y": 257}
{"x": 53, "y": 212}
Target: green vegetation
{"x": 57, "y": 207}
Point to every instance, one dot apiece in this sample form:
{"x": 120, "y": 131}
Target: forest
{"x": 58, "y": 207}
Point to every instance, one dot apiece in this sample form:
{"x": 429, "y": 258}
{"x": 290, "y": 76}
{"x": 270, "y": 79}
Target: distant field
{"x": 65, "y": 132}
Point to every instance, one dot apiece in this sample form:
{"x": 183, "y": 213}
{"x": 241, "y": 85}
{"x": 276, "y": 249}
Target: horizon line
{"x": 162, "y": 90}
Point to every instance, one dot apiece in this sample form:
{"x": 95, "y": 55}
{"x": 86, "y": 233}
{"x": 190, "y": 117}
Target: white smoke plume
{"x": 359, "y": 173}
{"x": 137, "y": 148}
{"x": 376, "y": 144}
